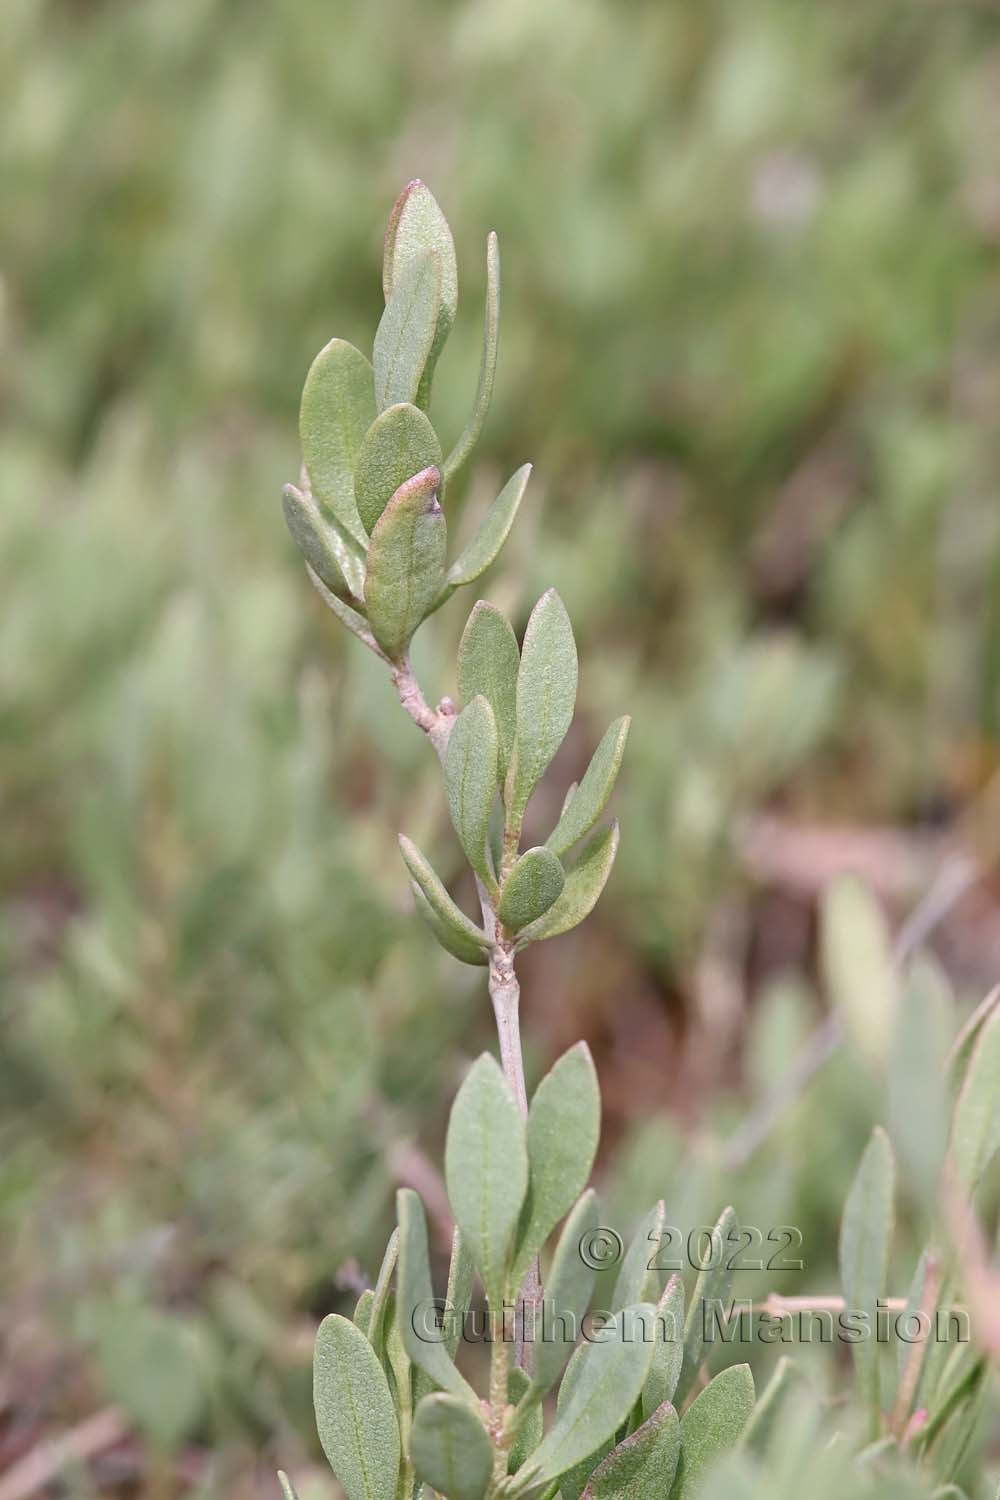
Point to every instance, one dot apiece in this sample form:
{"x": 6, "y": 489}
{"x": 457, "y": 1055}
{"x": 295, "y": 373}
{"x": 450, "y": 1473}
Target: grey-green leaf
{"x": 399, "y": 443}
{"x": 362, "y": 1315}
{"x": 406, "y": 331}
{"x": 964, "y": 1043}
{"x": 316, "y": 539}
{"x": 487, "y": 364}
{"x": 380, "y": 1295}
{"x": 488, "y": 659}
{"x": 918, "y": 1106}
{"x": 584, "y": 884}
{"x": 533, "y": 885}
{"x": 405, "y": 562}
{"x": 566, "y": 1297}
{"x": 450, "y": 1448}
{"x": 591, "y": 796}
{"x": 355, "y": 1417}
{"x": 668, "y": 1355}
{"x": 708, "y": 1300}
{"x": 354, "y": 621}
{"x": 472, "y": 562}
{"x": 460, "y": 929}
{"x": 472, "y": 779}
{"x": 531, "y": 1425}
{"x": 546, "y": 694}
{"x": 769, "y": 1410}
{"x": 418, "y": 227}
{"x": 486, "y": 1170}
{"x": 461, "y": 1272}
{"x": 338, "y": 407}
{"x": 639, "y": 1279}
{"x": 466, "y": 949}
{"x": 564, "y": 1123}
{"x": 609, "y": 1377}
{"x": 643, "y": 1465}
{"x": 712, "y": 1425}
{"x": 865, "y": 1236}
{"x": 975, "y": 1132}
{"x": 420, "y": 1326}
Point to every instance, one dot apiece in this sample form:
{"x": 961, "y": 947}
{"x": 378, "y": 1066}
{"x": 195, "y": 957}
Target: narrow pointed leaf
{"x": 465, "y": 949}
{"x": 400, "y": 1370}
{"x": 486, "y": 1170}
{"x": 400, "y": 443}
{"x": 584, "y": 884}
{"x": 975, "y": 1133}
{"x": 487, "y": 364}
{"x": 461, "y": 1273}
{"x": 668, "y": 1355}
{"x": 568, "y": 1289}
{"x": 964, "y": 1043}
{"x": 638, "y": 1279}
{"x": 488, "y": 659}
{"x": 338, "y": 407}
{"x": 354, "y": 1412}
{"x": 918, "y": 1104}
{"x": 865, "y": 1236}
{"x": 380, "y": 1295}
{"x": 546, "y": 694}
{"x": 564, "y": 1123}
{"x": 355, "y": 622}
{"x": 610, "y": 1376}
{"x": 531, "y": 888}
{"x": 643, "y": 1465}
{"x": 592, "y": 794}
{"x": 713, "y": 1424}
{"x": 857, "y": 964}
{"x": 406, "y": 332}
{"x": 405, "y": 562}
{"x": 450, "y": 1449}
{"x": 485, "y": 546}
{"x": 472, "y": 779}
{"x": 362, "y": 1316}
{"x": 460, "y": 930}
{"x": 423, "y": 1338}
{"x": 531, "y": 1425}
{"x": 708, "y": 1300}
{"x": 313, "y": 534}
{"x": 418, "y": 227}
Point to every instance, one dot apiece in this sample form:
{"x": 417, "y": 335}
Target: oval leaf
{"x": 423, "y": 1337}
{"x": 535, "y": 882}
{"x": 856, "y": 958}
{"x": 487, "y": 363}
{"x": 668, "y": 1356}
{"x": 568, "y": 1289}
{"x": 314, "y": 536}
{"x": 338, "y": 407}
{"x": 643, "y": 1465}
{"x": 466, "y": 950}
{"x": 639, "y": 1280}
{"x": 472, "y": 779}
{"x": 405, "y": 562}
{"x": 975, "y": 1134}
{"x": 451, "y": 917}
{"x": 584, "y": 884}
{"x": 712, "y": 1425}
{"x": 450, "y": 1449}
{"x": 416, "y": 227}
{"x": 486, "y": 1170}
{"x": 399, "y": 443}
{"x": 546, "y": 694}
{"x": 708, "y": 1300}
{"x": 563, "y": 1127}
{"x": 488, "y": 659}
{"x": 591, "y": 797}
{"x": 354, "y": 1412}
{"x": 406, "y": 331}
{"x": 865, "y": 1235}
{"x": 472, "y": 562}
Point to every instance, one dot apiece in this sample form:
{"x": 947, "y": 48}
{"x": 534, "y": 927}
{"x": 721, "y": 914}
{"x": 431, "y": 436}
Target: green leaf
{"x": 530, "y": 1427}
{"x": 865, "y": 1236}
{"x": 487, "y": 364}
{"x": 638, "y": 1278}
{"x": 609, "y": 1377}
{"x": 362, "y": 1317}
{"x": 856, "y": 958}
{"x": 406, "y": 332}
{"x": 975, "y": 1132}
{"x": 584, "y": 884}
{"x": 566, "y": 1298}
{"x": 964, "y": 1043}
{"x": 354, "y": 1412}
{"x": 461, "y": 1272}
{"x": 769, "y": 1412}
{"x": 423, "y": 1337}
{"x": 643, "y": 1465}
{"x": 713, "y": 1424}
{"x": 450, "y": 925}
{"x": 546, "y": 694}
{"x": 338, "y": 407}
{"x": 591, "y": 797}
{"x": 399, "y": 1369}
{"x": 380, "y": 1296}
{"x": 668, "y": 1355}
{"x": 316, "y": 539}
{"x": 471, "y": 780}
{"x": 418, "y": 227}
{"x": 486, "y": 1169}
{"x": 488, "y": 659}
{"x": 456, "y": 943}
{"x": 345, "y": 614}
{"x": 564, "y": 1123}
{"x": 400, "y": 443}
{"x": 918, "y": 1106}
{"x": 450, "y": 1448}
{"x": 405, "y": 562}
{"x": 533, "y": 885}
{"x": 287, "y": 1487}
{"x": 710, "y": 1291}
{"x": 472, "y": 562}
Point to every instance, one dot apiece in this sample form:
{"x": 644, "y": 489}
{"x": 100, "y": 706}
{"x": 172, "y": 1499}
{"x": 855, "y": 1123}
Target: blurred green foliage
{"x": 750, "y": 344}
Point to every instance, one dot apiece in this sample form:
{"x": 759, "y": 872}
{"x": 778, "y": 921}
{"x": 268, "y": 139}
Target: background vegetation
{"x": 751, "y": 345}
